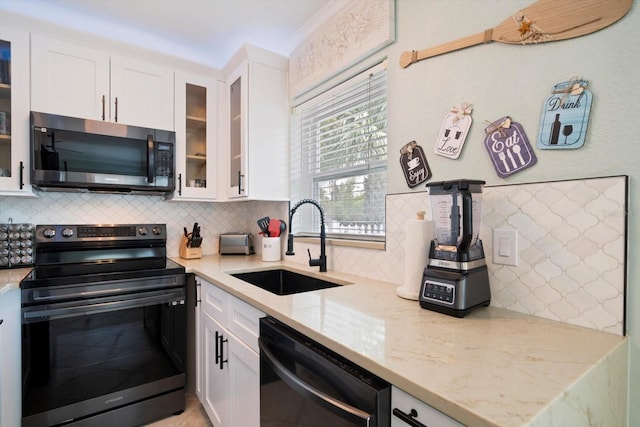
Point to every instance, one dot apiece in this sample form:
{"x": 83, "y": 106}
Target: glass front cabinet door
{"x": 196, "y": 148}
{"x": 14, "y": 112}
{"x": 258, "y": 127}
{"x": 237, "y": 92}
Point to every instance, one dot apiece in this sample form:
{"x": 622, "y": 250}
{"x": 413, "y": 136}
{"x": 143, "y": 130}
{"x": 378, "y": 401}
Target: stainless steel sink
{"x": 284, "y": 282}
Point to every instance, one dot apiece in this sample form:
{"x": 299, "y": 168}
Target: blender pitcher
{"x": 455, "y": 208}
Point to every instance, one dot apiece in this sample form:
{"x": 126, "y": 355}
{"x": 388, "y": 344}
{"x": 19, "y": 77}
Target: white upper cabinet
{"x": 196, "y": 135}
{"x": 141, "y": 93}
{"x": 255, "y": 155}
{"x": 14, "y": 112}
{"x": 79, "y": 81}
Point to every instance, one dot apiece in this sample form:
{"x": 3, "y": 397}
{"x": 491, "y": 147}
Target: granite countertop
{"x": 494, "y": 367}
{"x": 11, "y": 278}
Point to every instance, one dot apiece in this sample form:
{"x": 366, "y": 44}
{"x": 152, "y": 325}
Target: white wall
{"x": 499, "y": 80}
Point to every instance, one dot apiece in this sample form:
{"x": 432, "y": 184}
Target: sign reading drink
{"x": 565, "y": 115}
{"x": 508, "y": 147}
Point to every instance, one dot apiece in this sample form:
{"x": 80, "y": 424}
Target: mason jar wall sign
{"x": 508, "y": 147}
{"x": 565, "y": 115}
{"x": 414, "y": 164}
{"x": 454, "y": 130}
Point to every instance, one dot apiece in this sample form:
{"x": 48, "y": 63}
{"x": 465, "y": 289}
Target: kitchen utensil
{"x": 283, "y": 227}
{"x": 263, "y": 223}
{"x": 274, "y": 228}
{"x": 542, "y": 21}
{"x": 456, "y": 279}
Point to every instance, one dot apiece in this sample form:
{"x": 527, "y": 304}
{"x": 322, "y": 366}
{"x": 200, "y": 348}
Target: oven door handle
{"x": 51, "y": 312}
{"x": 342, "y": 409}
{"x": 104, "y": 289}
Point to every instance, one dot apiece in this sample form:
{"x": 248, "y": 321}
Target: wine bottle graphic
{"x": 555, "y": 131}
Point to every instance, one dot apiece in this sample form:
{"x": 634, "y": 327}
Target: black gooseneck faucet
{"x": 313, "y": 262}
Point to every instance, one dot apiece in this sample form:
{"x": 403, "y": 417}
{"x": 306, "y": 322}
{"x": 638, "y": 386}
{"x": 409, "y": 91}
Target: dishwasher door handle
{"x": 342, "y": 409}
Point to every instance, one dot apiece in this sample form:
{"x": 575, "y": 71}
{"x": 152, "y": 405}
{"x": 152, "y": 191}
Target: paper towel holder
{"x": 416, "y": 252}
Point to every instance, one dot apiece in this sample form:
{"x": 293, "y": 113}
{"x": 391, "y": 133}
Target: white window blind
{"x": 339, "y": 157}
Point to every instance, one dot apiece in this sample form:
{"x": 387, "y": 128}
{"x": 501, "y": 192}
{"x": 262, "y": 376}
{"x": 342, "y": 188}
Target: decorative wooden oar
{"x": 542, "y": 21}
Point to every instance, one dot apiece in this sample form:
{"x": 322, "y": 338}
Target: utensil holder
{"x": 187, "y": 252}
{"x": 270, "y": 249}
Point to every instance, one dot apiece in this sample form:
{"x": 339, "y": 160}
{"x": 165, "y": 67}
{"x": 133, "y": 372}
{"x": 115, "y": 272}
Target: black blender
{"x": 456, "y": 279}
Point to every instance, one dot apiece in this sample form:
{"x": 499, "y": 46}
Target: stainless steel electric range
{"x": 103, "y": 327}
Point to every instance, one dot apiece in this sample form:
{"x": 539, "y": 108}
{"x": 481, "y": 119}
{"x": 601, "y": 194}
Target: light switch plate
{"x": 505, "y": 246}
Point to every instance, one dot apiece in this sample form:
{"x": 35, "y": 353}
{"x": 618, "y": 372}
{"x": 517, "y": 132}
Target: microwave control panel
{"x": 164, "y": 159}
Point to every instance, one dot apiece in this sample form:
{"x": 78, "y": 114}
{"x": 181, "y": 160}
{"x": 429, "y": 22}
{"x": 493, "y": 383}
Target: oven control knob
{"x": 143, "y": 231}
{"x": 67, "y": 232}
{"x": 49, "y": 233}
{"x": 156, "y": 231}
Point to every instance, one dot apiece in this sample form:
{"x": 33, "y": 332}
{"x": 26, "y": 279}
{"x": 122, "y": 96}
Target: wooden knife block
{"x": 187, "y": 252}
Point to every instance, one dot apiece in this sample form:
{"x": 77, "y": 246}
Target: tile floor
{"x": 193, "y": 416}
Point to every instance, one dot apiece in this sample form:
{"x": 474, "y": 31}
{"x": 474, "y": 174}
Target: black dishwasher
{"x": 303, "y": 383}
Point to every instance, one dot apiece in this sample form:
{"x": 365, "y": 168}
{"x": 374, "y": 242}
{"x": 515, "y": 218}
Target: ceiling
{"x": 204, "y": 31}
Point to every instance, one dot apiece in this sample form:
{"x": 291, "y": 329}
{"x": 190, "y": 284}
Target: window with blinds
{"x": 339, "y": 157}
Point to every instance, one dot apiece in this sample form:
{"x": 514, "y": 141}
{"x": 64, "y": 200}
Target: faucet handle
{"x": 290, "y": 245}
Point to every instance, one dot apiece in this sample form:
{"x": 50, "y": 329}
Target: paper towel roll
{"x": 419, "y": 234}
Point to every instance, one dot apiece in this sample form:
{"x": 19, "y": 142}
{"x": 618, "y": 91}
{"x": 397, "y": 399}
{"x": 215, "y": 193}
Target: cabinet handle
{"x": 116, "y": 115}
{"x": 21, "y": 175}
{"x": 103, "y": 107}
{"x": 197, "y": 285}
{"x": 179, "y": 184}
{"x": 409, "y": 418}
{"x": 220, "y": 350}
{"x": 217, "y": 347}
{"x": 222, "y": 359}
{"x": 240, "y": 176}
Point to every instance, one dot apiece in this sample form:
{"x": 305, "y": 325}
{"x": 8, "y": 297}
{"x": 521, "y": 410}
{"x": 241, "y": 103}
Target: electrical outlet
{"x": 505, "y": 246}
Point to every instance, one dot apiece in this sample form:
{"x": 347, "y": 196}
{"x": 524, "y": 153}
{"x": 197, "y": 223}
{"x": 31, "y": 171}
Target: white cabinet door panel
{"x": 141, "y": 93}
{"x": 68, "y": 79}
{"x": 244, "y": 372}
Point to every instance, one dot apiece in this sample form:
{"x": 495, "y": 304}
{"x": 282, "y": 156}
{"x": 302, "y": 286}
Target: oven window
{"x": 69, "y": 360}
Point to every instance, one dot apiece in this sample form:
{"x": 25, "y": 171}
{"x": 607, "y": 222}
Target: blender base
{"x": 452, "y": 311}
{"x": 453, "y": 292}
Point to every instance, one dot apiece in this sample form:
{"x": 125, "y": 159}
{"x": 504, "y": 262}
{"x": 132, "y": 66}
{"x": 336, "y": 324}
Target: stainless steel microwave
{"x": 72, "y": 154}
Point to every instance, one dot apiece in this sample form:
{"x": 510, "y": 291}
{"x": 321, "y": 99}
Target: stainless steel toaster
{"x": 236, "y": 244}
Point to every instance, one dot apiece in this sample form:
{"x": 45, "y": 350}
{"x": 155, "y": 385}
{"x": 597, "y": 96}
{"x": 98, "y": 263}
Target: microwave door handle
{"x": 342, "y": 409}
{"x": 150, "y": 159}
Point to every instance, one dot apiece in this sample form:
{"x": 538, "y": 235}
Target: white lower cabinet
{"x": 229, "y": 364}
{"x": 10, "y": 366}
{"x": 411, "y": 412}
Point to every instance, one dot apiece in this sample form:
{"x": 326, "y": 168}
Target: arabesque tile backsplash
{"x": 572, "y": 239}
